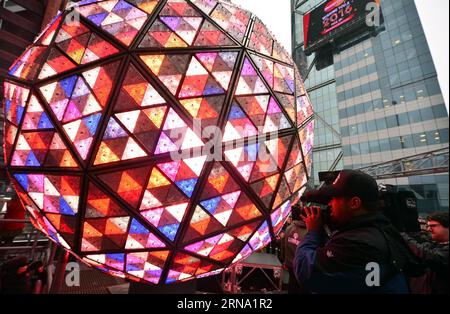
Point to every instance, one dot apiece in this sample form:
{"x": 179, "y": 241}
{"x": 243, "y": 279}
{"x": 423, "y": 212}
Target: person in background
{"x": 295, "y": 232}
{"x": 38, "y": 277}
{"x": 15, "y": 276}
{"x": 9, "y": 230}
{"x": 433, "y": 256}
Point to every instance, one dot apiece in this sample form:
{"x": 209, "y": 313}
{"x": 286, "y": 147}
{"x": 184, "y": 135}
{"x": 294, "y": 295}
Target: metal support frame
{"x": 233, "y": 284}
{"x": 427, "y": 163}
{"x": 263, "y": 262}
{"x": 20, "y": 248}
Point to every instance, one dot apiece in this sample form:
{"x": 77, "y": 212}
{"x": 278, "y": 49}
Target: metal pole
{"x": 2, "y": 4}
{"x": 33, "y": 250}
{"x": 60, "y": 272}
{"x": 52, "y": 254}
{"x": 233, "y": 280}
{"x": 19, "y": 248}
{"x": 49, "y": 265}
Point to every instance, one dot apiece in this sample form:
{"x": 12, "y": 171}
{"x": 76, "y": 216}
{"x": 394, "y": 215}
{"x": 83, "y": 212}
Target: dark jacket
{"x": 339, "y": 265}
{"x": 294, "y": 234}
{"x": 10, "y": 281}
{"x": 433, "y": 258}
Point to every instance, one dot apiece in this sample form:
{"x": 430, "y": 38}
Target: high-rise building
{"x": 375, "y": 92}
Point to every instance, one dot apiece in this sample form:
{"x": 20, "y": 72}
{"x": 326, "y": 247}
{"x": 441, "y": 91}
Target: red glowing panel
{"x": 154, "y": 140}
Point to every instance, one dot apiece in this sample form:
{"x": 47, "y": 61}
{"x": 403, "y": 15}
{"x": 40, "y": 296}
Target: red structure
{"x": 109, "y": 116}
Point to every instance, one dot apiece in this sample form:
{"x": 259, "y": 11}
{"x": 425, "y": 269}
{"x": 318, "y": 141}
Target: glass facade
{"x": 378, "y": 100}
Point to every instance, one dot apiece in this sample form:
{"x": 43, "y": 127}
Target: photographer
{"x": 433, "y": 256}
{"x": 363, "y": 236}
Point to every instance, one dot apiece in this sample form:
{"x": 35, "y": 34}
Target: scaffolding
{"x": 433, "y": 162}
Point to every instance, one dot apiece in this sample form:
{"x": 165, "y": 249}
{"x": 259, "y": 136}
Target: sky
{"x": 434, "y": 15}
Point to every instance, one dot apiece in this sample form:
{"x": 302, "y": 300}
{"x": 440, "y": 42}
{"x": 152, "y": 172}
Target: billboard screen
{"x": 331, "y": 18}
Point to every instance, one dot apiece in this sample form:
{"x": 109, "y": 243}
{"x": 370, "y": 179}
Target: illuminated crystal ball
{"x": 110, "y": 116}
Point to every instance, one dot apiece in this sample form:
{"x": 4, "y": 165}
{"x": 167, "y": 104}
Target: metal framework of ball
{"x": 109, "y": 123}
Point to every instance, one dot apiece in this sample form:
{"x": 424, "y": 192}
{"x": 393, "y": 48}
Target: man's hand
{"x": 313, "y": 219}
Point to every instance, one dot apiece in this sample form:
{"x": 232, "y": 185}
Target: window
{"x": 371, "y": 68}
{"x": 346, "y": 150}
{"x": 405, "y": 76}
{"x": 416, "y": 71}
{"x": 357, "y": 91}
{"x": 433, "y": 137}
{"x": 396, "y": 96}
{"x": 351, "y": 111}
{"x": 392, "y": 121}
{"x": 403, "y": 119}
{"x": 394, "y": 79}
{"x": 364, "y": 148}
{"x": 433, "y": 87}
{"x": 420, "y": 139}
{"x": 395, "y": 143}
{"x": 428, "y": 68}
{"x": 371, "y": 126}
{"x": 353, "y": 130}
{"x": 385, "y": 145}
{"x": 362, "y": 128}
{"x": 410, "y": 94}
{"x": 348, "y": 94}
{"x": 377, "y": 104}
{"x": 414, "y": 116}
{"x": 440, "y": 111}
{"x": 421, "y": 93}
{"x": 374, "y": 85}
{"x": 426, "y": 114}
{"x": 365, "y": 89}
{"x": 407, "y": 141}
{"x": 355, "y": 149}
{"x": 345, "y": 131}
{"x": 368, "y": 106}
{"x": 444, "y": 135}
{"x": 374, "y": 146}
{"x": 381, "y": 124}
{"x": 360, "y": 109}
{"x": 403, "y": 65}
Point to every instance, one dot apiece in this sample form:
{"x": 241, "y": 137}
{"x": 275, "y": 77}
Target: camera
{"x": 400, "y": 207}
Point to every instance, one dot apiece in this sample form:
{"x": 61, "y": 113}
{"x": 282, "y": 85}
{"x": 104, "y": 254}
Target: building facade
{"x": 377, "y": 100}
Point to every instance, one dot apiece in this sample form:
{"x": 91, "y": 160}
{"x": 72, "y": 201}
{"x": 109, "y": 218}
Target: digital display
{"x": 330, "y": 19}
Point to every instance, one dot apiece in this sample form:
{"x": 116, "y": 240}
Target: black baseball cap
{"x": 349, "y": 183}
